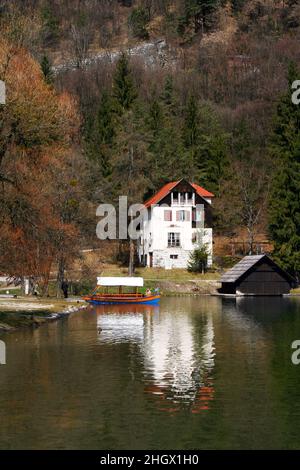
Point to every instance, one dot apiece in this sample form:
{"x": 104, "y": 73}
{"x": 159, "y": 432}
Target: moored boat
{"x": 102, "y": 296}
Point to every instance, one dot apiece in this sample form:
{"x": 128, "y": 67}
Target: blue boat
{"x": 98, "y": 297}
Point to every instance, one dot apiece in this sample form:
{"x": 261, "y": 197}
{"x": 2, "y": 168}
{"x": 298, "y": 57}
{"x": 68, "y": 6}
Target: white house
{"x": 177, "y": 219}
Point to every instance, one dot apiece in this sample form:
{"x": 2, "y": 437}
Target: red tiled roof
{"x": 165, "y": 190}
{"x": 161, "y": 193}
{"x": 201, "y": 191}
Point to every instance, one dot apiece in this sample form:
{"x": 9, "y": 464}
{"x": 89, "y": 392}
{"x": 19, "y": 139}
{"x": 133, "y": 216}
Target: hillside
{"x": 144, "y": 92}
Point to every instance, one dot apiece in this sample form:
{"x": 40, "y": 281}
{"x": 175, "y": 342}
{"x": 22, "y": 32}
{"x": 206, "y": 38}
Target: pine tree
{"x": 191, "y": 133}
{"x": 167, "y": 94}
{"x": 155, "y": 117}
{"x": 168, "y": 155}
{"x": 131, "y": 163}
{"x": 191, "y": 129}
{"x": 47, "y": 70}
{"x": 124, "y": 89}
{"x": 163, "y": 119}
{"x": 198, "y": 260}
{"x": 50, "y": 29}
{"x": 165, "y": 142}
{"x": 206, "y": 145}
{"x": 237, "y": 5}
{"x": 199, "y": 13}
{"x": 284, "y": 204}
{"x": 106, "y": 124}
{"x": 138, "y": 21}
{"x": 100, "y": 133}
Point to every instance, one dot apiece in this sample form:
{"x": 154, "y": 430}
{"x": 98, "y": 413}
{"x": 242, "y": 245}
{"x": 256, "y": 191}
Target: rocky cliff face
{"x": 155, "y": 53}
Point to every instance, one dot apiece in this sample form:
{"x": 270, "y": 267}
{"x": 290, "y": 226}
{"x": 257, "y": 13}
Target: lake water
{"x": 194, "y": 373}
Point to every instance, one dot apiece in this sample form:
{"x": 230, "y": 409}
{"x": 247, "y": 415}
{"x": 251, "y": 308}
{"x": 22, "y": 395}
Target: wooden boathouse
{"x": 256, "y": 275}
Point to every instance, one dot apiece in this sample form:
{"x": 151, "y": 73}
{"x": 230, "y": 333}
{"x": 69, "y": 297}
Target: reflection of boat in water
{"x": 113, "y": 298}
{"x": 143, "y": 309}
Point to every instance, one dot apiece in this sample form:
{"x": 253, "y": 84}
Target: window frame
{"x": 174, "y": 239}
{"x": 183, "y": 215}
{"x": 168, "y": 211}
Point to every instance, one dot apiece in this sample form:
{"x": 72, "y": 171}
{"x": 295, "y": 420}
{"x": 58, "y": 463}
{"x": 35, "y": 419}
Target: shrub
{"x": 198, "y": 260}
{"x": 138, "y": 21}
{"x": 83, "y": 287}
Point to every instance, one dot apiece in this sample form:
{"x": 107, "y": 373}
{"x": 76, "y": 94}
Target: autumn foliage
{"x": 38, "y": 187}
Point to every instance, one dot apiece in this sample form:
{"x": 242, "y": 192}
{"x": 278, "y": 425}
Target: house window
{"x": 183, "y": 216}
{"x": 174, "y": 256}
{"x": 173, "y": 240}
{"x": 198, "y": 215}
{"x": 168, "y": 216}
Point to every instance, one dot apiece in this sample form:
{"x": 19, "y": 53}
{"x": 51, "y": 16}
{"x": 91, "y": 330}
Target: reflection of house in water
{"x": 121, "y": 328}
{"x": 123, "y": 323}
{"x": 178, "y": 358}
{"x": 178, "y": 364}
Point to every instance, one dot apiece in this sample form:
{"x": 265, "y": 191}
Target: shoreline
{"x": 19, "y": 313}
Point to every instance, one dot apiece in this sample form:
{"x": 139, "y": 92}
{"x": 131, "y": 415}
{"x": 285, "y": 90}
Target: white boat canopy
{"x": 120, "y": 281}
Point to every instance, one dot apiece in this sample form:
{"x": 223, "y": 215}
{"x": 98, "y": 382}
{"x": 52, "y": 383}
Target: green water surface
{"x": 193, "y": 373}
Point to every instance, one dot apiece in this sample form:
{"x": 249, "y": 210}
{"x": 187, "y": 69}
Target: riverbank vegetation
{"x": 214, "y": 109}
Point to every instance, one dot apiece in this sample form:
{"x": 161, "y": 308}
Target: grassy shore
{"x": 296, "y": 291}
{"x": 25, "y": 312}
{"x": 160, "y": 274}
{"x": 171, "y": 282}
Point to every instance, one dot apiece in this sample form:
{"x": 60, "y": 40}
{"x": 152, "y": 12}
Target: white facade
{"x": 169, "y": 234}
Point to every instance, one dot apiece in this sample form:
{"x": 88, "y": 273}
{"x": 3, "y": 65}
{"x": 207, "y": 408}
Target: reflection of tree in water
{"x": 254, "y": 317}
{"x": 243, "y": 319}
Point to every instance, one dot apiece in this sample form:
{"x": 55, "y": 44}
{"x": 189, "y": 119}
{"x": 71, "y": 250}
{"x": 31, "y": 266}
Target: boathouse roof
{"x": 248, "y": 262}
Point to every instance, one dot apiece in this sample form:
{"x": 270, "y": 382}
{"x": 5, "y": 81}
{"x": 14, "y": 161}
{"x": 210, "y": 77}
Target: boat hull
{"x": 98, "y": 300}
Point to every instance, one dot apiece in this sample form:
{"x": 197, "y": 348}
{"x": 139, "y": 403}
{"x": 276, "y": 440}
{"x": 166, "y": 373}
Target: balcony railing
{"x": 183, "y": 202}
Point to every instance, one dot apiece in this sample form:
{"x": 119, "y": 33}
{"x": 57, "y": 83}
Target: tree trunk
{"x": 250, "y": 239}
{"x": 32, "y": 285}
{"x": 23, "y": 281}
{"x": 45, "y": 285}
{"x": 60, "y": 277}
{"x": 131, "y": 258}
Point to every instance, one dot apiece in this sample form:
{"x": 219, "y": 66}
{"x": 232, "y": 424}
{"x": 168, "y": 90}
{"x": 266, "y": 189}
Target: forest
{"x": 216, "y": 110}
